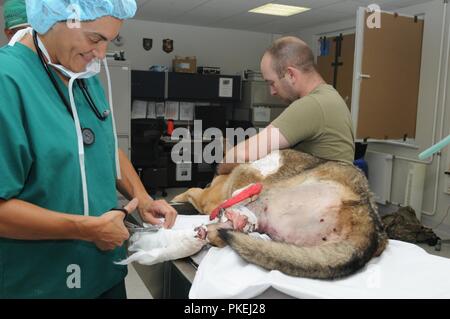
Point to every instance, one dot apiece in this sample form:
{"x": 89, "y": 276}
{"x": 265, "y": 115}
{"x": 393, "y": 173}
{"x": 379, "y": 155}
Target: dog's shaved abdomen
{"x": 303, "y": 214}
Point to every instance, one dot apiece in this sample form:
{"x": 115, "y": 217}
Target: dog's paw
{"x": 213, "y": 234}
{"x": 179, "y": 198}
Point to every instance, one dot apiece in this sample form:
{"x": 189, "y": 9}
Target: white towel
{"x": 403, "y": 271}
{"x": 167, "y": 244}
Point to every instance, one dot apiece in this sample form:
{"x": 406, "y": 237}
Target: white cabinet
{"x": 255, "y": 98}
{"x": 257, "y": 93}
{"x": 121, "y": 93}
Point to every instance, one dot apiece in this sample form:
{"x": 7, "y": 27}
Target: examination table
{"x": 404, "y": 270}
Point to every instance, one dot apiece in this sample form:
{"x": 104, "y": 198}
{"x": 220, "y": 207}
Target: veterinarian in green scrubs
{"x": 15, "y": 16}
{"x": 59, "y": 164}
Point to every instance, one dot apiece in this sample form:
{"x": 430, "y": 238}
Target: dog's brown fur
{"x": 356, "y": 234}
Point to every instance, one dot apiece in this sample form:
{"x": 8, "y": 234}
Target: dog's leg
{"x": 181, "y": 198}
{"x": 239, "y": 219}
{"x": 211, "y": 233}
{"x": 193, "y": 196}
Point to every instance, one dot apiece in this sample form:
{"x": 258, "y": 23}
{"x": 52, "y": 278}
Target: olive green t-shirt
{"x": 319, "y": 124}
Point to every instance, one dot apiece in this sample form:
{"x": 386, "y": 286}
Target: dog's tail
{"x": 326, "y": 261}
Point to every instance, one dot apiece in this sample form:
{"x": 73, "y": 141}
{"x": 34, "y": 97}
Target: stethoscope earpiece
{"x": 106, "y": 114}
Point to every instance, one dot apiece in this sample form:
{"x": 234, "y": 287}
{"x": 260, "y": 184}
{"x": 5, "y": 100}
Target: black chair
{"x": 147, "y": 153}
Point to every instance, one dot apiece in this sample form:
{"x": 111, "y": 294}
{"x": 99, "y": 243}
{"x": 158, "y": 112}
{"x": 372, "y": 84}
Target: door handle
{"x": 364, "y": 76}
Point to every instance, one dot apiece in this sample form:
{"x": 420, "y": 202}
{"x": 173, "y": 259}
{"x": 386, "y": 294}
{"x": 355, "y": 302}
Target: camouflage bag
{"x": 403, "y": 225}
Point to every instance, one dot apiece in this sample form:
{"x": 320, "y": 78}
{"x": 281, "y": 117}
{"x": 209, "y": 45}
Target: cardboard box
{"x": 185, "y": 64}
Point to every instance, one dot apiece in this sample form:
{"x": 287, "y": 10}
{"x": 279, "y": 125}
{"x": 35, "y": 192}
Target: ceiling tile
{"x": 177, "y": 5}
{"x": 304, "y": 20}
{"x": 244, "y": 21}
{"x": 233, "y": 14}
{"x": 232, "y": 7}
{"x": 347, "y": 6}
{"x": 138, "y": 2}
{"x": 397, "y": 4}
{"x": 313, "y": 4}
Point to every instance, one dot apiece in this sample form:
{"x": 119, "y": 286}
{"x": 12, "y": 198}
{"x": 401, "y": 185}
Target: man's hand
{"x": 108, "y": 231}
{"x": 152, "y": 210}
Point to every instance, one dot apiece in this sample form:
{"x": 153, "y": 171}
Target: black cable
{"x": 88, "y": 98}
{"x": 82, "y": 85}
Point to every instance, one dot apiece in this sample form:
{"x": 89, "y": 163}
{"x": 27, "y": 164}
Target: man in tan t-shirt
{"x": 317, "y": 121}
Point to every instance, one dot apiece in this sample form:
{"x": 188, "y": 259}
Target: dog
{"x": 320, "y": 215}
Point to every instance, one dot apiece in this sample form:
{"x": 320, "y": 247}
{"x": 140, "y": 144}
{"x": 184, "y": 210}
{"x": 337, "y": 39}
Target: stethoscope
{"x": 88, "y": 134}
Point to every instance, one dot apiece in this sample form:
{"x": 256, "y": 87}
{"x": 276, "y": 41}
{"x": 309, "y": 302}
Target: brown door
{"x": 389, "y": 88}
{"x": 344, "y": 71}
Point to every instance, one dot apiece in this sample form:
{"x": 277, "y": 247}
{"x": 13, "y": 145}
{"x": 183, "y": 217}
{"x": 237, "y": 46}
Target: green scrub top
{"x": 39, "y": 164}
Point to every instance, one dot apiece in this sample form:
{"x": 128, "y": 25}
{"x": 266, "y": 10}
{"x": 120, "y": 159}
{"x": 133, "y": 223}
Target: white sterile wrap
{"x": 268, "y": 164}
{"x": 252, "y": 220}
{"x": 162, "y": 245}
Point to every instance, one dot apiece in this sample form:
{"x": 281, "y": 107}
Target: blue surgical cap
{"x": 43, "y": 14}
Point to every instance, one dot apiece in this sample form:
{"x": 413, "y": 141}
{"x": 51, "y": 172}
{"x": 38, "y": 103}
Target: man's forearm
{"x": 130, "y": 185}
{"x": 238, "y": 153}
{"x": 252, "y": 149}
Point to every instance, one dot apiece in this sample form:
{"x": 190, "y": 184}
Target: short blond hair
{"x": 291, "y": 52}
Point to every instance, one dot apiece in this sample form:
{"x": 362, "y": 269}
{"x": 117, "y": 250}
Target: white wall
{"x": 232, "y": 50}
{"x": 433, "y": 12}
